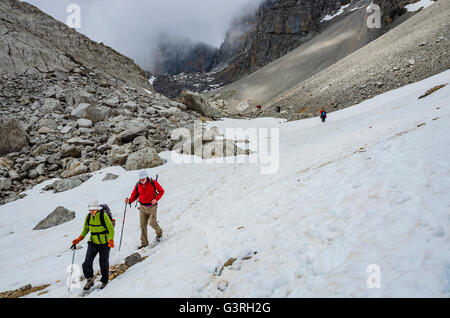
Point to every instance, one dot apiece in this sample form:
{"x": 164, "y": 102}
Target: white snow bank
{"x": 416, "y": 6}
{"x": 338, "y": 13}
{"x": 369, "y": 187}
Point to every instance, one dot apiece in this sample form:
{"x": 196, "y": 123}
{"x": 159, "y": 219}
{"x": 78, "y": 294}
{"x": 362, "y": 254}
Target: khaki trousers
{"x": 148, "y": 216}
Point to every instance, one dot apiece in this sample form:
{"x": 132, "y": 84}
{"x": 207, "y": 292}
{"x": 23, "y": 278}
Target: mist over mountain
{"x": 135, "y": 29}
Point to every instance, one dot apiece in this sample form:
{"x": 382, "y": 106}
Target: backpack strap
{"x": 102, "y": 220}
{"x": 154, "y": 187}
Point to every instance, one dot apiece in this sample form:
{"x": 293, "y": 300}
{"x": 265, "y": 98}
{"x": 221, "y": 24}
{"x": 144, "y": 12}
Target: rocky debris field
{"x": 65, "y": 125}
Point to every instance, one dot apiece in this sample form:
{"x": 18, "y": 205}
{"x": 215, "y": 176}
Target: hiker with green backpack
{"x": 100, "y": 224}
{"x": 149, "y": 192}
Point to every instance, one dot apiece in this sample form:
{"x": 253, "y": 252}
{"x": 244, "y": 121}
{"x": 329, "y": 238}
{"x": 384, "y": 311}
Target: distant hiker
{"x": 149, "y": 192}
{"x": 99, "y": 223}
{"x": 323, "y": 115}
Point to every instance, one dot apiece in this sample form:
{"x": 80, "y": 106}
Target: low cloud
{"x": 133, "y": 27}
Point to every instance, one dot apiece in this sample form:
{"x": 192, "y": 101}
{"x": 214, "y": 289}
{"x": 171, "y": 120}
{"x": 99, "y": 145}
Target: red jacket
{"x": 147, "y": 193}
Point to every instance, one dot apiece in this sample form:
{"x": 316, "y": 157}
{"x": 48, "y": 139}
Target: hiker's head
{"x": 94, "y": 207}
{"x": 143, "y": 175}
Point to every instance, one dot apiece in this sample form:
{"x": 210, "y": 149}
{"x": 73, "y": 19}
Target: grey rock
{"x": 59, "y": 216}
{"x": 200, "y": 104}
{"x": 130, "y": 134}
{"x": 133, "y": 259}
{"x": 66, "y": 184}
{"x": 74, "y": 168}
{"x": 5, "y": 184}
{"x": 142, "y": 159}
{"x": 13, "y": 136}
{"x": 70, "y": 151}
{"x": 80, "y": 141}
{"x": 48, "y": 122}
{"x": 52, "y": 105}
{"x": 112, "y": 102}
{"x": 110, "y": 176}
{"x": 84, "y": 123}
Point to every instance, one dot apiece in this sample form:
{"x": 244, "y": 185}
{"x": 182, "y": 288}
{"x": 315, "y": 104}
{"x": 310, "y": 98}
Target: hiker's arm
{"x": 133, "y": 196}
{"x": 160, "y": 191}
{"x": 85, "y": 228}
{"x": 110, "y": 227}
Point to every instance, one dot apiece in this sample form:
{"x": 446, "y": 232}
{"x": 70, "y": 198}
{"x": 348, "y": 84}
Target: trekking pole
{"x": 71, "y": 268}
{"x": 123, "y": 225}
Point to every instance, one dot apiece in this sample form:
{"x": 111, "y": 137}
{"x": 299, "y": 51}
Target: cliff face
{"x": 32, "y": 42}
{"x": 391, "y": 8}
{"x": 276, "y": 28}
{"x": 252, "y": 41}
{"x": 177, "y": 56}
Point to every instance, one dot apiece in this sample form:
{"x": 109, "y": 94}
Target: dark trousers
{"x": 92, "y": 251}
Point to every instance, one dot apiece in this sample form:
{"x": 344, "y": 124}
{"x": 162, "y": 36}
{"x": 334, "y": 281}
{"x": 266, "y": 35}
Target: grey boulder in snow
{"x": 59, "y": 216}
{"x": 133, "y": 259}
{"x": 143, "y": 159}
{"x": 198, "y": 103}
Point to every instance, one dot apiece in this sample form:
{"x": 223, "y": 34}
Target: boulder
{"x": 80, "y": 141}
{"x": 131, "y": 106}
{"x": 87, "y": 111}
{"x": 112, "y": 102}
{"x": 119, "y": 154}
{"x": 198, "y": 103}
{"x": 13, "y": 136}
{"x": 48, "y": 122}
{"x": 84, "y": 123}
{"x": 67, "y": 184}
{"x": 133, "y": 259}
{"x": 143, "y": 159}
{"x": 5, "y": 184}
{"x": 74, "y": 168}
{"x": 110, "y": 176}
{"x": 130, "y": 134}
{"x": 59, "y": 216}
{"x": 52, "y": 105}
{"x": 70, "y": 151}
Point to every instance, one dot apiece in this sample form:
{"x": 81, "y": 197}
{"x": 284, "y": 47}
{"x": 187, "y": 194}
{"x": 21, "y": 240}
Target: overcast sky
{"x": 132, "y": 26}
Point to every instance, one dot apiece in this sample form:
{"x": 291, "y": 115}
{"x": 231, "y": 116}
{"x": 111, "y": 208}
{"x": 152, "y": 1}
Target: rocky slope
{"x": 33, "y": 42}
{"x": 416, "y": 49}
{"x": 70, "y": 106}
{"x": 344, "y": 34}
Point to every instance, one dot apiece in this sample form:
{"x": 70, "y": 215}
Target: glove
{"x": 111, "y": 243}
{"x": 78, "y": 240}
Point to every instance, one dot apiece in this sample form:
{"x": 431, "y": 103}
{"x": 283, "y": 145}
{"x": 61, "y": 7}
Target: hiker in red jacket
{"x": 323, "y": 115}
{"x": 149, "y": 192}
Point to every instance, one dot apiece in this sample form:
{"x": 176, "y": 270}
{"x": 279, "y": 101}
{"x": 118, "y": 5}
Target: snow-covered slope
{"x": 332, "y": 210}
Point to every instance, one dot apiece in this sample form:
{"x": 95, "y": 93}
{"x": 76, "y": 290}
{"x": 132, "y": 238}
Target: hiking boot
{"x": 104, "y": 285}
{"x": 89, "y": 283}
